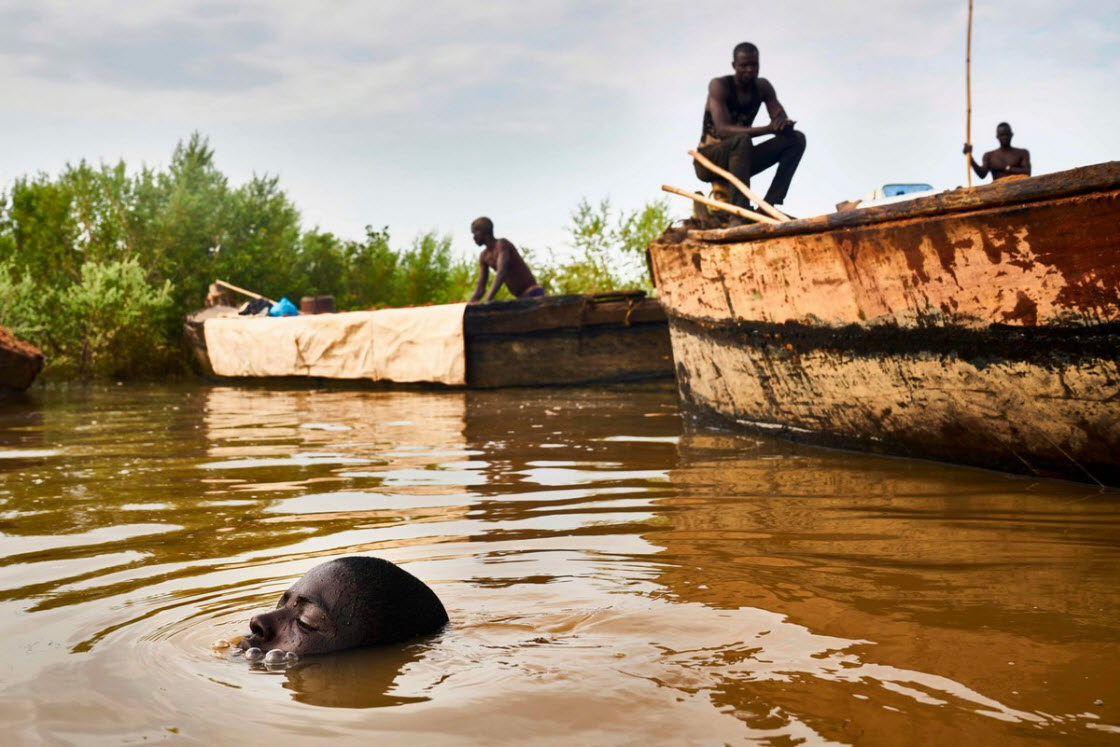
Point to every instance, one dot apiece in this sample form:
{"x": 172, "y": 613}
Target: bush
{"x": 611, "y": 251}
{"x": 21, "y": 306}
{"x": 108, "y": 324}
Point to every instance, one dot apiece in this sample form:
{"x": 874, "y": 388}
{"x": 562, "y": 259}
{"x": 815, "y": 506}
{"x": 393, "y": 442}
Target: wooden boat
{"x": 975, "y": 326}
{"x": 555, "y": 340}
{"x": 20, "y": 362}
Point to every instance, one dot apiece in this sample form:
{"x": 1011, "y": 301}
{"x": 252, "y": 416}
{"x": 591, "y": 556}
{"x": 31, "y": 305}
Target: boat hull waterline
{"x": 980, "y": 327}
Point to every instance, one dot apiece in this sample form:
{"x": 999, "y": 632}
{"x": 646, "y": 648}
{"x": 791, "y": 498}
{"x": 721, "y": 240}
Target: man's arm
{"x": 721, "y": 117}
{"x": 483, "y": 271}
{"x": 981, "y": 171}
{"x": 778, "y": 119}
{"x": 1024, "y": 165}
{"x": 501, "y": 269}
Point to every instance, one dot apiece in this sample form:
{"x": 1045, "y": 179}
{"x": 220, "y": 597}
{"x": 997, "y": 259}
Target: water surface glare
{"x": 612, "y": 575}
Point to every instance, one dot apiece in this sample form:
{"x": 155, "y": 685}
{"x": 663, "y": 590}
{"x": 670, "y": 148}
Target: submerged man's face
{"x": 745, "y": 65}
{"x": 314, "y": 616}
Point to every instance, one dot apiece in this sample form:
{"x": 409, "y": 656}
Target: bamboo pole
{"x": 968, "y": 97}
{"x": 718, "y": 205}
{"x": 738, "y": 184}
{"x": 242, "y": 291}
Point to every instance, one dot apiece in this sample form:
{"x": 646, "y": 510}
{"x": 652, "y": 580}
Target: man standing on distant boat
{"x": 1004, "y": 161}
{"x": 728, "y": 134}
{"x": 501, "y": 256}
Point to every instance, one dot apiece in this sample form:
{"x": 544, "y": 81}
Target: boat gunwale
{"x": 1097, "y": 178}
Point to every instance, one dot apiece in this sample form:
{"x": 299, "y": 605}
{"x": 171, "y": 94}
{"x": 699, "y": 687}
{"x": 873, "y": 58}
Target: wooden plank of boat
{"x": 570, "y": 339}
{"x": 20, "y": 362}
{"x": 979, "y": 327}
{"x": 556, "y": 340}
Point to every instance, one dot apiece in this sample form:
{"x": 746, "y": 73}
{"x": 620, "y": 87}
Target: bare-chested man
{"x": 501, "y": 256}
{"x": 727, "y": 138}
{"x": 1004, "y": 161}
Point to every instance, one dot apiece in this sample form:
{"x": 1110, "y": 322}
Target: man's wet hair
{"x": 1003, "y": 124}
{"x": 389, "y": 602}
{"x": 745, "y": 47}
{"x": 485, "y": 223}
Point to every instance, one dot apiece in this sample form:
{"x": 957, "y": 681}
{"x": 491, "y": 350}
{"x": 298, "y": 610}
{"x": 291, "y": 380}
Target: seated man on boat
{"x": 1004, "y": 161}
{"x": 509, "y": 268}
{"x": 728, "y": 133}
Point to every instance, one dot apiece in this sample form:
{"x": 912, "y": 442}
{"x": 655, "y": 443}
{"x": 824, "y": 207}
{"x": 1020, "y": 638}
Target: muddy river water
{"x": 613, "y": 576}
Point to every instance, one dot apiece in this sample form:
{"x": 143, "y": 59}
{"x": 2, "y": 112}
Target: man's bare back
{"x": 1004, "y": 161}
{"x": 501, "y": 256}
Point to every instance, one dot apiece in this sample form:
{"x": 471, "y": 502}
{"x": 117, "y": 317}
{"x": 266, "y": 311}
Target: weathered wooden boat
{"x": 976, "y": 326}
{"x": 20, "y": 362}
{"x": 556, "y": 340}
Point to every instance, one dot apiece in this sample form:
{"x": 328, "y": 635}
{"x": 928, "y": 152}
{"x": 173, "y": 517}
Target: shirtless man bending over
{"x": 509, "y": 268}
{"x": 1004, "y": 161}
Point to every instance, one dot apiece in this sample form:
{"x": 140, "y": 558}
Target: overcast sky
{"x": 424, "y": 115}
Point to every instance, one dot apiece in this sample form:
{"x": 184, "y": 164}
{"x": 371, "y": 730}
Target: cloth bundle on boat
{"x": 419, "y": 344}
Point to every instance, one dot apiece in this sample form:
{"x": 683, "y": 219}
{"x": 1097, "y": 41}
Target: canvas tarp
{"x": 420, "y": 344}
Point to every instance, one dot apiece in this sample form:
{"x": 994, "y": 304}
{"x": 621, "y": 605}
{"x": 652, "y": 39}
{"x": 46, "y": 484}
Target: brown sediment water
{"x": 613, "y": 576}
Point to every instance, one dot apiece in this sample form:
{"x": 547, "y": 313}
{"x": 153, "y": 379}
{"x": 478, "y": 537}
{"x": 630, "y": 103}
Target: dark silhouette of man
{"x": 501, "y": 256}
{"x": 1004, "y": 161}
{"x": 728, "y": 135}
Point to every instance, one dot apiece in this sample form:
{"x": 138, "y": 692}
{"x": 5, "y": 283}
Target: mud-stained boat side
{"x": 979, "y": 327}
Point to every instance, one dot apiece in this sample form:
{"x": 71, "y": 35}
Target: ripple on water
{"x": 608, "y": 579}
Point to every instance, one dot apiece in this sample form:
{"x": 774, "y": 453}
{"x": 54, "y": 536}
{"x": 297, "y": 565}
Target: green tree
{"x": 42, "y": 230}
{"x": 429, "y": 274}
{"x": 259, "y": 239}
{"x": 371, "y": 268}
{"x": 609, "y": 248}
{"x": 196, "y": 205}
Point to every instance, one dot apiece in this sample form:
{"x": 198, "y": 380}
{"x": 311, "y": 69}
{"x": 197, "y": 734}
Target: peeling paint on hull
{"x": 984, "y": 331}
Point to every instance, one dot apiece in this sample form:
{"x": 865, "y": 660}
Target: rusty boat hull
{"x": 20, "y": 363}
{"x": 562, "y": 340}
{"x": 979, "y": 327}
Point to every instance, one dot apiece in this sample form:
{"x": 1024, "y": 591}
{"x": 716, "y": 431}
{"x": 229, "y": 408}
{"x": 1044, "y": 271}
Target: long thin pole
{"x": 968, "y": 97}
{"x": 774, "y": 213}
{"x": 235, "y": 289}
{"x": 719, "y": 205}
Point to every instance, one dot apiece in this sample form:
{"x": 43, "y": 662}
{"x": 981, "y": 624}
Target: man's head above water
{"x": 346, "y": 603}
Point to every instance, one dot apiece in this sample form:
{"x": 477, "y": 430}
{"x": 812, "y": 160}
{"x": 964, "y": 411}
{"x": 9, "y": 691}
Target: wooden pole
{"x": 968, "y": 97}
{"x": 242, "y": 291}
{"x": 718, "y": 205}
{"x": 738, "y": 184}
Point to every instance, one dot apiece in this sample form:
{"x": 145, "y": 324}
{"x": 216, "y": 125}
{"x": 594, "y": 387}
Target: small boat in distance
{"x": 554, "y": 340}
{"x": 977, "y": 326}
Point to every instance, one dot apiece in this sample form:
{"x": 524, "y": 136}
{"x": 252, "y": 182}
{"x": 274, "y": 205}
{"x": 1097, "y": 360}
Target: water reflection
{"x": 994, "y": 583}
{"x": 610, "y": 577}
{"x": 353, "y": 679}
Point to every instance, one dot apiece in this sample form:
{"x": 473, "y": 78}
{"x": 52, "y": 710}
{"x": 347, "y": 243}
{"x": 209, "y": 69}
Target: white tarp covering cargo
{"x": 421, "y": 344}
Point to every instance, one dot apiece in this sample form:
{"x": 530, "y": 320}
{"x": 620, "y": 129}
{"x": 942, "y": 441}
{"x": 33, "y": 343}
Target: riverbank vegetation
{"x": 99, "y": 265}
